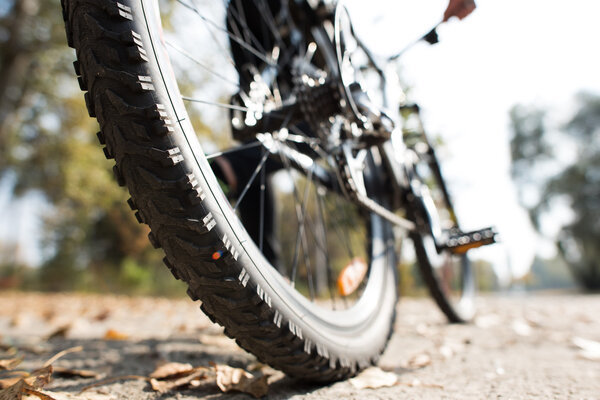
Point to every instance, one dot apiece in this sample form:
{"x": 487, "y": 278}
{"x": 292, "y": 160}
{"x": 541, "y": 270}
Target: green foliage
{"x": 410, "y": 281}
{"x": 48, "y": 142}
{"x": 575, "y": 183}
{"x": 549, "y": 274}
{"x": 486, "y": 278}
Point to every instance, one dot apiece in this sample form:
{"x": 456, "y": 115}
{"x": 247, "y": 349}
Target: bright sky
{"x": 507, "y": 52}
{"x": 537, "y": 52}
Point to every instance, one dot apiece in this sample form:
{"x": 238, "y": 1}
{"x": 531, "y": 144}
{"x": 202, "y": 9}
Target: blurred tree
{"x": 47, "y": 143}
{"x": 550, "y": 274}
{"x": 546, "y": 180}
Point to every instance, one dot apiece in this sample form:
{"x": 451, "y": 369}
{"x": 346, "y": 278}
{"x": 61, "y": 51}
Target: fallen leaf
{"x": 171, "y": 369}
{"x": 237, "y": 379}
{"x": 163, "y": 386}
{"x": 446, "y": 351}
{"x": 419, "y": 361}
{"x": 8, "y": 349}
{"x": 68, "y": 372}
{"x": 521, "y": 327}
{"x": 59, "y": 332}
{"x": 13, "y": 378}
{"x": 373, "y": 378}
{"x": 590, "y": 349}
{"x": 424, "y": 330}
{"x": 102, "y": 315}
{"x": 85, "y": 396}
{"x": 111, "y": 380}
{"x": 40, "y": 377}
{"x": 61, "y": 354}
{"x": 48, "y": 315}
{"x": 14, "y": 392}
{"x": 28, "y": 386}
{"x": 112, "y": 334}
{"x": 417, "y": 383}
{"x": 16, "y": 321}
{"x": 9, "y": 364}
{"x": 38, "y": 394}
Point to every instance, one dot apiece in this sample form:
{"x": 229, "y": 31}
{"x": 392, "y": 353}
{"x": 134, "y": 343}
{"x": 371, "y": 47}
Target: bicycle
{"x": 320, "y": 116}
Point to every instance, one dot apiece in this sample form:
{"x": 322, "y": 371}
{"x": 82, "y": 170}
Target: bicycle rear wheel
{"x": 276, "y": 312}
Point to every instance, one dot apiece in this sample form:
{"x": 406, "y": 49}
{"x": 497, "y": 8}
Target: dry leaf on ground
{"x": 69, "y": 372}
{"x": 59, "y": 332}
{"x": 589, "y": 349}
{"x": 9, "y": 364}
{"x": 102, "y": 315}
{"x": 113, "y": 334}
{"x": 40, "y": 377}
{"x": 62, "y": 353}
{"x": 112, "y": 380}
{"x": 38, "y": 394}
{"x": 373, "y": 378}
{"x": 12, "y": 378}
{"x": 417, "y": 383}
{"x": 446, "y": 351}
{"x": 14, "y": 392}
{"x": 29, "y": 386}
{"x": 419, "y": 361}
{"x": 82, "y": 396}
{"x": 237, "y": 379}
{"x": 172, "y": 375}
{"x": 193, "y": 379}
{"x": 521, "y": 327}
{"x": 171, "y": 369}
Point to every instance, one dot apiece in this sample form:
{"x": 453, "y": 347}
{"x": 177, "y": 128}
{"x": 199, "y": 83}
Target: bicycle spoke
{"x": 233, "y": 150}
{"x": 346, "y": 236}
{"x": 330, "y": 275}
{"x": 252, "y": 178}
{"x": 222, "y": 50}
{"x": 213, "y": 103}
{"x": 301, "y": 239}
{"x": 241, "y": 19}
{"x": 233, "y": 37}
{"x": 335, "y": 221}
{"x": 200, "y": 64}
{"x": 270, "y": 20}
{"x": 307, "y": 263}
{"x": 314, "y": 247}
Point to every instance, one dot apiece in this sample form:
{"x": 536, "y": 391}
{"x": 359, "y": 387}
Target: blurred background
{"x": 512, "y": 92}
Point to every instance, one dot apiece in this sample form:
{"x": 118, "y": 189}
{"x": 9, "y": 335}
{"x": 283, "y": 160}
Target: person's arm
{"x": 459, "y": 8}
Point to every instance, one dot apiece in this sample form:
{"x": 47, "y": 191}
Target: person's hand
{"x": 459, "y": 8}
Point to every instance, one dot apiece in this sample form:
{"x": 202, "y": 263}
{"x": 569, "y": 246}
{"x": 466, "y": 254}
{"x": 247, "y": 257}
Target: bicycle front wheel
{"x": 274, "y": 309}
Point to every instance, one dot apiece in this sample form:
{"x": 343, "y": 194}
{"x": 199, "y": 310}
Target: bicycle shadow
{"x": 119, "y": 362}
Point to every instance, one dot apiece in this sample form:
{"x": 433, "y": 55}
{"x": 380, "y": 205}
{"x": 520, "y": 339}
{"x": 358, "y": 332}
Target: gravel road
{"x": 520, "y": 346}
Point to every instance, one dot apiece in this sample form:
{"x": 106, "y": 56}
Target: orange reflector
{"x": 351, "y": 276}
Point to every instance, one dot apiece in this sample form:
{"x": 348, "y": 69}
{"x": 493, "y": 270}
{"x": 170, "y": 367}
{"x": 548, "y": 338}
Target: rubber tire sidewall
{"x": 352, "y": 337}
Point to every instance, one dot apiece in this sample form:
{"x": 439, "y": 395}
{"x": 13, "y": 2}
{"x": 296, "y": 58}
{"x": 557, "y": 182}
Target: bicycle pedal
{"x": 461, "y": 242}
